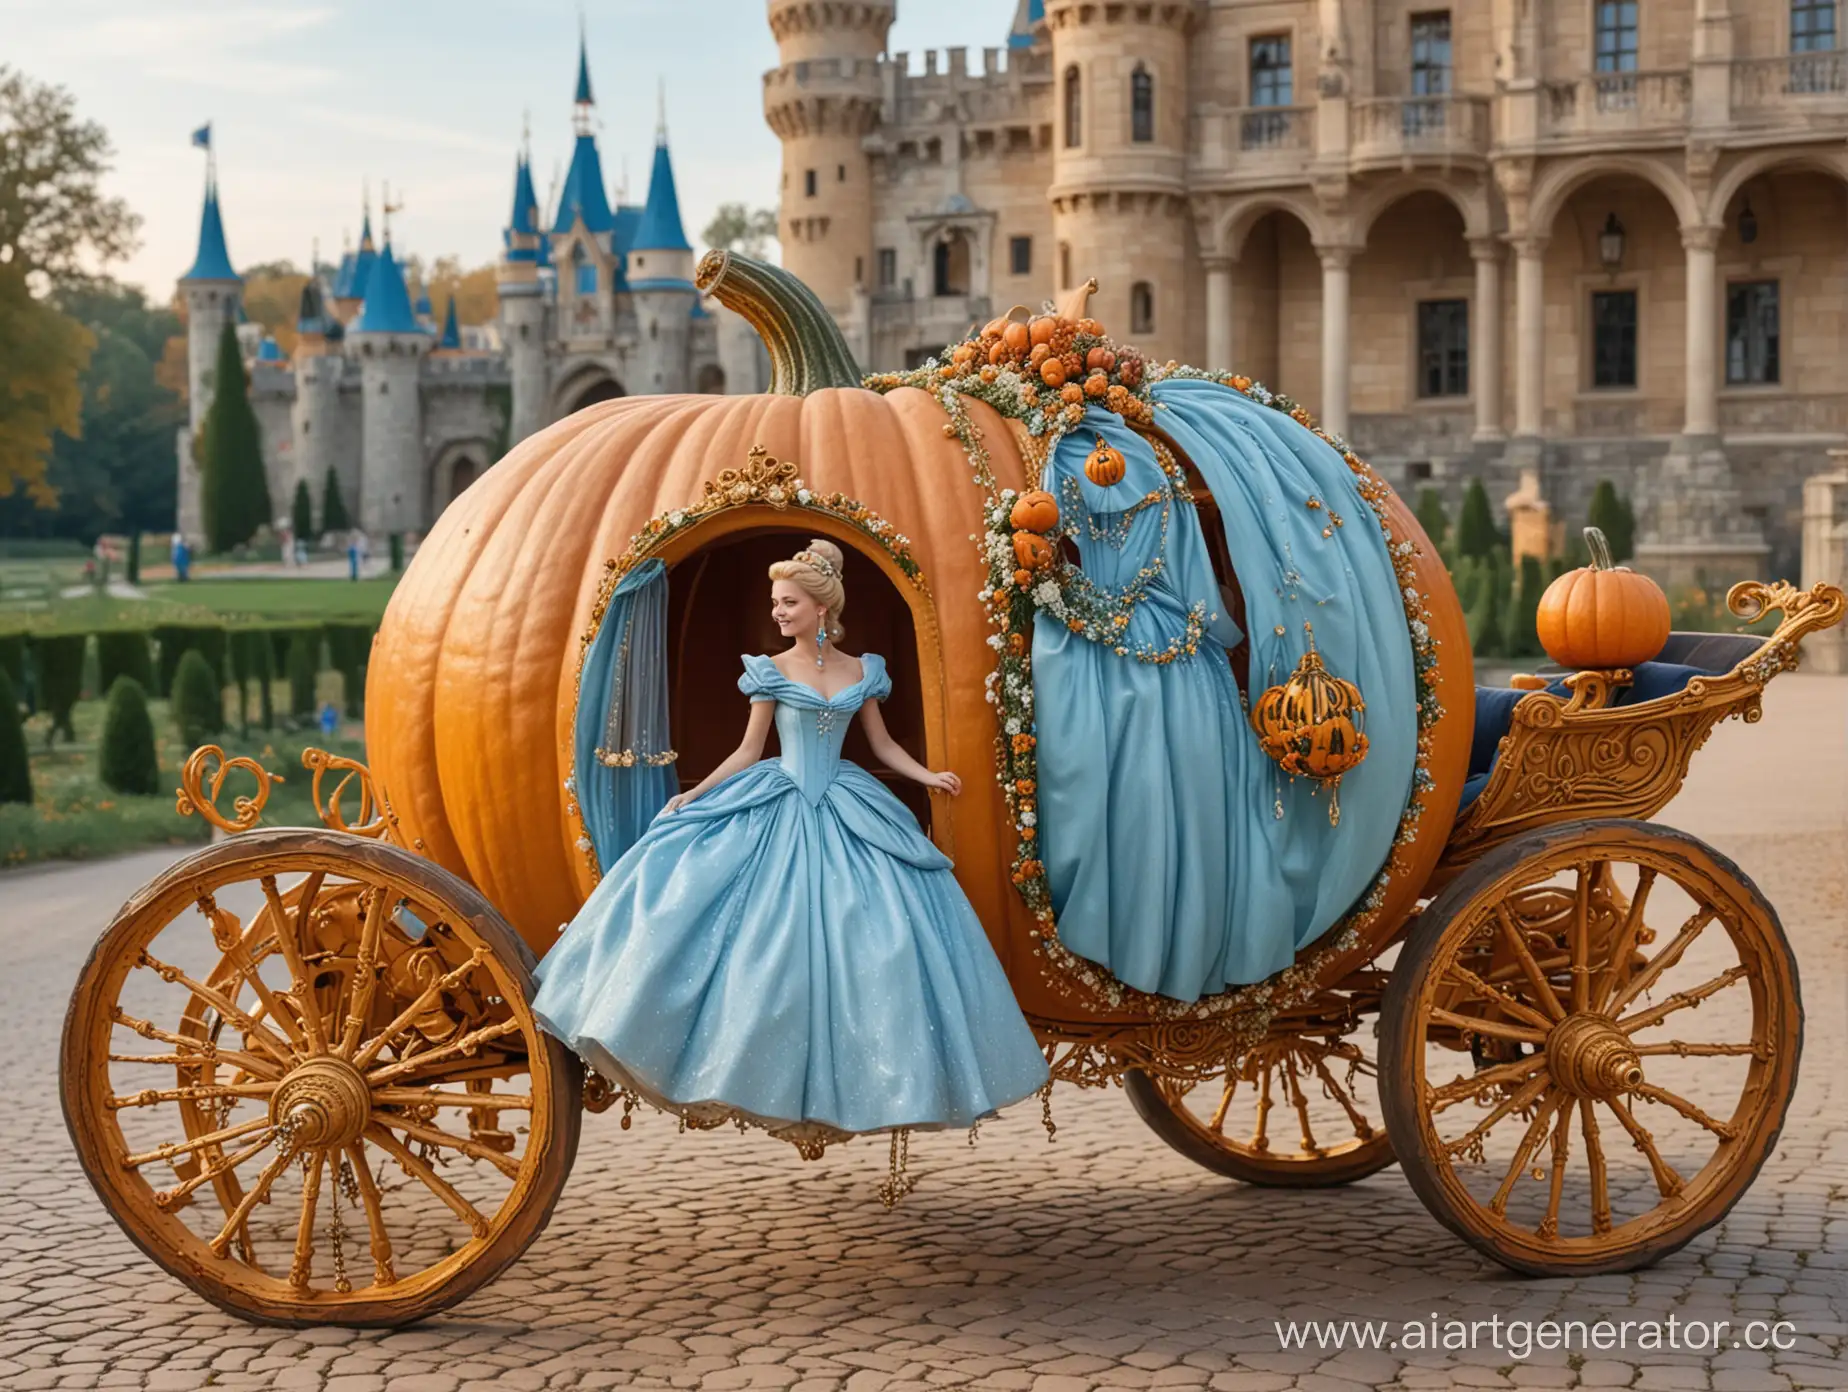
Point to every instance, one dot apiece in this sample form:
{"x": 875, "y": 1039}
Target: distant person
{"x": 301, "y": 552}
{"x": 285, "y": 538}
{"x": 353, "y": 556}
{"x": 330, "y": 720}
{"x": 182, "y": 557}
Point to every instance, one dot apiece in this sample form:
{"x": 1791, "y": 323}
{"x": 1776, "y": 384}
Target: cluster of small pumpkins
{"x": 1065, "y": 363}
{"x": 1034, "y": 517}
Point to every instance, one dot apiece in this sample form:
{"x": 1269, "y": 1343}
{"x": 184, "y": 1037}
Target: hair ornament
{"x": 818, "y": 561}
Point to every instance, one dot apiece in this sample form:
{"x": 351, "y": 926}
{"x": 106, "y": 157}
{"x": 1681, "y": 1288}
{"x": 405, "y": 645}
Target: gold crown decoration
{"x": 1311, "y": 725}
{"x": 818, "y": 561}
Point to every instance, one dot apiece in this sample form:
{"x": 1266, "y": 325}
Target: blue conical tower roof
{"x": 387, "y": 306}
{"x": 525, "y": 202}
{"x": 583, "y": 193}
{"x": 213, "y": 262}
{"x": 582, "y": 97}
{"x": 452, "y": 334}
{"x": 661, "y": 229}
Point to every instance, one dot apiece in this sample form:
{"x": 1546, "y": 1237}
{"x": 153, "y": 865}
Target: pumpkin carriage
{"x": 1506, "y": 1011}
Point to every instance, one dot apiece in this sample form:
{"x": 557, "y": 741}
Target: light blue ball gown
{"x": 789, "y": 950}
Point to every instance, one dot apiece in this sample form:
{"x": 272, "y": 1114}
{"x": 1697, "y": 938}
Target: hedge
{"x": 124, "y": 653}
{"x": 13, "y": 658}
{"x": 130, "y": 763}
{"x": 15, "y": 766}
{"x": 58, "y": 657}
{"x": 176, "y": 640}
{"x": 304, "y": 664}
{"x": 349, "y": 647}
{"x": 198, "y": 700}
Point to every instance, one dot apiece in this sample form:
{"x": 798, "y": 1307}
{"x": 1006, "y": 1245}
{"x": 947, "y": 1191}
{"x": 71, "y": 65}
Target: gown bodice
{"x": 810, "y": 727}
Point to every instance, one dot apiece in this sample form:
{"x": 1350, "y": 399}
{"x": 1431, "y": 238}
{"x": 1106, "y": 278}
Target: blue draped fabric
{"x": 625, "y": 677}
{"x": 790, "y": 947}
{"x": 1165, "y": 857}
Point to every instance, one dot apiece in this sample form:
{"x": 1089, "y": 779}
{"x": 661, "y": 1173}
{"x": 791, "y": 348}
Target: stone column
{"x": 1701, "y": 415}
{"x": 1485, "y": 338}
{"x": 1529, "y": 336}
{"x": 1334, "y": 413}
{"x": 1219, "y": 345}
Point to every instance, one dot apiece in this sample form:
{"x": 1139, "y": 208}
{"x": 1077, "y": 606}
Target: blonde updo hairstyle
{"x": 825, "y": 589}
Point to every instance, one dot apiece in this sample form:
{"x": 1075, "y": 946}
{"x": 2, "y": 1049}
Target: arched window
{"x": 1074, "y": 108}
{"x": 1142, "y": 307}
{"x": 1141, "y": 106}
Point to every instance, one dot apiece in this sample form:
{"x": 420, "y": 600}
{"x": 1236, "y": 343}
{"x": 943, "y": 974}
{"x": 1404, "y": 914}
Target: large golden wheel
{"x": 1588, "y": 1046}
{"x": 1299, "y": 1111}
{"x": 301, "y": 1071}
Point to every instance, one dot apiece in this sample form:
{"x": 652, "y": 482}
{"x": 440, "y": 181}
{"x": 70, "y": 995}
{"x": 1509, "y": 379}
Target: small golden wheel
{"x": 1299, "y": 1111}
{"x": 1624, "y": 1008}
{"x": 301, "y": 1070}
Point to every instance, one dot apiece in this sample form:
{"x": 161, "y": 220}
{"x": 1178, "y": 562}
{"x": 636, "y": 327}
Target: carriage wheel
{"x": 1298, "y": 1112}
{"x": 1600, "y": 1119}
{"x": 301, "y": 1071}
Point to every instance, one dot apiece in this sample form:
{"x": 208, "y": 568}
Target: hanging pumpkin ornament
{"x": 1311, "y": 725}
{"x": 1104, "y": 466}
{"x": 1602, "y": 615}
{"x": 1036, "y": 510}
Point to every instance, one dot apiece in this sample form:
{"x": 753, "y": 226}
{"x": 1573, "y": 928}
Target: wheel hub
{"x": 1589, "y": 1056}
{"x": 324, "y": 1103}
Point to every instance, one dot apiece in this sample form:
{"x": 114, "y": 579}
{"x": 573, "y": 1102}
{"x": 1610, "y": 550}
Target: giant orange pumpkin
{"x": 1602, "y": 615}
{"x": 471, "y": 689}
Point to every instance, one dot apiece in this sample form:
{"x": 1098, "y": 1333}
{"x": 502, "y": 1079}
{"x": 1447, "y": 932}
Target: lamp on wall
{"x": 1610, "y": 243}
{"x": 1748, "y": 224}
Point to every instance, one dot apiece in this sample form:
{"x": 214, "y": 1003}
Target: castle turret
{"x": 390, "y": 346}
{"x": 522, "y": 306}
{"x": 1119, "y": 196}
{"x": 213, "y": 292}
{"x": 583, "y": 247}
{"x": 318, "y": 368}
{"x": 660, "y": 277}
{"x": 822, "y": 102}
{"x": 355, "y": 271}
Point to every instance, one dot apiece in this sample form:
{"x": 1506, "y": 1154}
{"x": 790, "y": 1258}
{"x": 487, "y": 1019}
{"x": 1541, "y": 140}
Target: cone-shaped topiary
{"x": 235, "y": 492}
{"x": 59, "y": 659}
{"x": 1476, "y": 527}
{"x": 15, "y": 765}
{"x": 333, "y": 506}
{"x": 1524, "y": 640}
{"x": 132, "y": 567}
{"x": 1432, "y": 515}
{"x": 301, "y": 514}
{"x": 198, "y": 703}
{"x": 130, "y": 763}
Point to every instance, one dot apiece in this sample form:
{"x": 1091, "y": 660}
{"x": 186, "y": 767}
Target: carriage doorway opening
{"x": 719, "y": 608}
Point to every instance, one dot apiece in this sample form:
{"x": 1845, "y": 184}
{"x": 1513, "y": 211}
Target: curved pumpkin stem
{"x": 807, "y": 351}
{"x": 1600, "y": 549}
{"x": 1078, "y": 299}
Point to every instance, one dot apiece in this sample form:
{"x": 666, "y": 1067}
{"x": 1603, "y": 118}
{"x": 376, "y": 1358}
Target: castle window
{"x": 1270, "y": 70}
{"x": 1431, "y": 53}
{"x": 1020, "y": 255}
{"x": 1812, "y": 26}
{"x": 950, "y": 265}
{"x": 1751, "y": 333}
{"x": 1074, "y": 108}
{"x": 888, "y": 267}
{"x": 1065, "y": 264}
{"x": 585, "y": 272}
{"x": 840, "y": 173}
{"x": 1613, "y": 338}
{"x": 1443, "y": 347}
{"x": 1142, "y": 307}
{"x": 859, "y": 270}
{"x": 1614, "y": 26}
{"x": 1141, "y": 106}
{"x": 808, "y": 182}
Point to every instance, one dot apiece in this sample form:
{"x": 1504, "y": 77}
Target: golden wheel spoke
{"x": 1544, "y": 994}
{"x": 431, "y": 1180}
{"x": 1619, "y": 960}
{"x": 230, "y": 938}
{"x": 467, "y": 1044}
{"x": 1480, "y": 988}
{"x": 290, "y": 929}
{"x": 1724, "y": 1130}
{"x": 1530, "y": 1140}
{"x": 1449, "y": 1094}
{"x": 479, "y": 1101}
{"x": 173, "y": 1148}
{"x": 1301, "y": 1103}
{"x": 258, "y": 1033}
{"x": 1528, "y": 1093}
{"x": 1594, "y": 1162}
{"x": 436, "y": 1136}
{"x": 1491, "y": 1029}
{"x": 1260, "y": 1135}
{"x": 1363, "y": 1129}
{"x": 303, "y": 1265}
{"x": 1667, "y": 1181}
{"x": 1556, "y": 1181}
{"x": 1661, "y": 962}
{"x": 366, "y": 975}
{"x": 1682, "y": 1000}
{"x": 1218, "y": 1122}
{"x": 250, "y": 1063}
{"x": 382, "y": 1273}
{"x": 1683, "y": 1049}
{"x": 255, "y": 1195}
{"x": 171, "y": 1199}
{"x": 1581, "y": 942}
{"x": 149, "y": 1097}
{"x": 425, "y": 999}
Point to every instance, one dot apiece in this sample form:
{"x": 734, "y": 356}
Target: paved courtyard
{"x": 1102, "y": 1260}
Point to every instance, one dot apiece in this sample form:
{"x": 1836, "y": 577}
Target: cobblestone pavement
{"x": 1102, "y": 1260}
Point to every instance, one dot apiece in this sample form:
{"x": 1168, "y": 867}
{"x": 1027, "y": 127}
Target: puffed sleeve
{"x": 878, "y": 680}
{"x": 759, "y": 678}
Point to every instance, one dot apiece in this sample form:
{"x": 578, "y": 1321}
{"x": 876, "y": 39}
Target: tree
{"x": 734, "y": 227}
{"x": 333, "y": 506}
{"x": 1476, "y": 527}
{"x": 42, "y": 357}
{"x": 1432, "y": 516}
{"x": 1623, "y": 545}
{"x": 15, "y": 764}
{"x": 301, "y": 515}
{"x": 130, "y": 763}
{"x": 236, "y": 491}
{"x": 475, "y": 292}
{"x": 273, "y": 298}
{"x": 198, "y": 704}
{"x": 304, "y": 664}
{"x": 1524, "y": 640}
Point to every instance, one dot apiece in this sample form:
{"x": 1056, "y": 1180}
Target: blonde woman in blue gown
{"x": 783, "y": 947}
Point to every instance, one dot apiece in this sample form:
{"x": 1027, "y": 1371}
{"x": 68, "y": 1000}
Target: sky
{"x": 309, "y": 99}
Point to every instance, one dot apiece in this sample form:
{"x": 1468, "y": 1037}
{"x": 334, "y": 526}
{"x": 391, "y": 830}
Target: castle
{"x": 1541, "y": 240}
{"x": 596, "y": 301}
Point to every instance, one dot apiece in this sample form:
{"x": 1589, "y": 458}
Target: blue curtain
{"x": 624, "y": 764}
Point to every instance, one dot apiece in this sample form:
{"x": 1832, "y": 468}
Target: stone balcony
{"x": 1790, "y": 91}
{"x": 1597, "y": 106}
{"x": 1399, "y": 130}
{"x": 1261, "y": 142}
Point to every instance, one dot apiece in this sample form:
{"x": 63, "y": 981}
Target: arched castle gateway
{"x": 596, "y": 301}
{"x": 1587, "y": 239}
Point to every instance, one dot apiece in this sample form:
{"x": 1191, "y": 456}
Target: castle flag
{"x": 202, "y": 138}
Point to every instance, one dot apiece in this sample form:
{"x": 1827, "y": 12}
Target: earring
{"x": 821, "y": 637}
